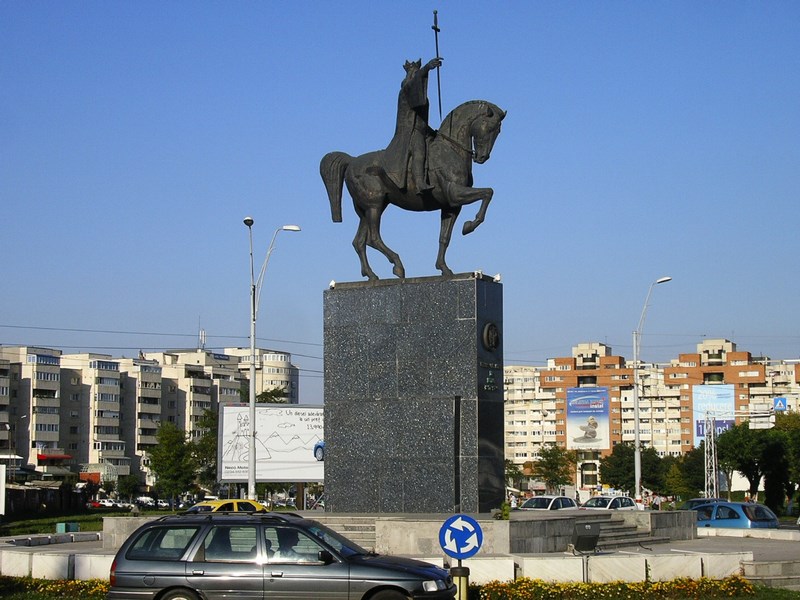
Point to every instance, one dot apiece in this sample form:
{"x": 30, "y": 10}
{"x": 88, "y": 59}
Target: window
{"x": 104, "y": 365}
{"x": 162, "y": 543}
{"x": 45, "y": 376}
{"x": 229, "y": 544}
{"x": 727, "y": 513}
{"x": 285, "y": 544}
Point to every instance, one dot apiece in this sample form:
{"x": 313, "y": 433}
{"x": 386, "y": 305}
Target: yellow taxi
{"x": 227, "y": 506}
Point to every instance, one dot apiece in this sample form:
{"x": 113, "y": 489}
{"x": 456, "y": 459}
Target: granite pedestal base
{"x": 414, "y": 395}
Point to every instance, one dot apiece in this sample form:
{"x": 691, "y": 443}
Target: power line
{"x": 150, "y": 333}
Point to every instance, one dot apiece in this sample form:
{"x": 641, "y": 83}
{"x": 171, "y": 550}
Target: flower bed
{"x": 676, "y": 589}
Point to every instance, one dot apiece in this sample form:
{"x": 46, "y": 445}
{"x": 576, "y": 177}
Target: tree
{"x": 616, "y": 469}
{"x": 775, "y": 466}
{"x": 128, "y": 486}
{"x": 693, "y": 471}
{"x": 740, "y": 447}
{"x": 789, "y": 423}
{"x": 513, "y": 474}
{"x": 171, "y": 461}
{"x": 653, "y": 474}
{"x": 109, "y": 485}
{"x": 556, "y": 467}
{"x": 676, "y": 483}
{"x": 204, "y": 450}
{"x": 275, "y": 396}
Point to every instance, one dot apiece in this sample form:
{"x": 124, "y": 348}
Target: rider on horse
{"x": 411, "y": 130}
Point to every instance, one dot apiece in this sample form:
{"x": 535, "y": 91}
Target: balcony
{"x": 43, "y": 453}
{"x": 144, "y": 423}
{"x": 104, "y": 455}
{"x": 46, "y": 402}
{"x": 54, "y": 471}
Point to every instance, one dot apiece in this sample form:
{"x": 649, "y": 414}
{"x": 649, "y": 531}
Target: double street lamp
{"x": 255, "y": 295}
{"x": 637, "y": 336}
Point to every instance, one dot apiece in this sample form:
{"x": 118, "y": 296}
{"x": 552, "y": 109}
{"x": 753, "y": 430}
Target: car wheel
{"x": 319, "y": 454}
{"x": 180, "y": 594}
{"x": 389, "y": 595}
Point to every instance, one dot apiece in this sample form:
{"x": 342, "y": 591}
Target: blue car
{"x": 736, "y": 515}
{"x": 319, "y": 450}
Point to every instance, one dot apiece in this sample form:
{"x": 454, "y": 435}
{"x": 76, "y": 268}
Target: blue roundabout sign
{"x": 460, "y": 537}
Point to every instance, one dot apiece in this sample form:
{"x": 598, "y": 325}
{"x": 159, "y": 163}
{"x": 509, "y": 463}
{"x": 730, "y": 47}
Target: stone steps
{"x": 778, "y": 574}
{"x": 615, "y": 533}
{"x": 361, "y": 530}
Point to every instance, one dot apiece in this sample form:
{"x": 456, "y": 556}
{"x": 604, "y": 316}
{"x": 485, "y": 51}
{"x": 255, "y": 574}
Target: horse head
{"x": 484, "y": 130}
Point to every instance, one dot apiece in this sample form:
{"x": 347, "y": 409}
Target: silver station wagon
{"x": 262, "y": 556}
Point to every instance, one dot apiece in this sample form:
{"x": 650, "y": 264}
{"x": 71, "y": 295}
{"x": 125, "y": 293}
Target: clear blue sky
{"x": 642, "y": 139}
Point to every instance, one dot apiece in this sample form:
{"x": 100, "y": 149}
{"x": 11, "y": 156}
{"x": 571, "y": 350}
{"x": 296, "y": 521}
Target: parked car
{"x": 736, "y": 515}
{"x": 548, "y": 503}
{"x": 694, "y": 502}
{"x": 227, "y": 506}
{"x": 610, "y": 503}
{"x": 250, "y": 556}
{"x": 319, "y": 450}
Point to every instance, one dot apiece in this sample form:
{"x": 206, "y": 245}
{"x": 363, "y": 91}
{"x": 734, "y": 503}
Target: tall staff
{"x": 436, "y": 31}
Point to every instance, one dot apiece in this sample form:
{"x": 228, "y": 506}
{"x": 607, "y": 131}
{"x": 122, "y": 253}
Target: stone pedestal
{"x": 414, "y": 395}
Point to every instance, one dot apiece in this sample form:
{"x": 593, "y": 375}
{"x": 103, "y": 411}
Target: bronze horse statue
{"x": 471, "y": 130}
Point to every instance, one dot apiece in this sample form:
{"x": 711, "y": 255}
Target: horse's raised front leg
{"x": 486, "y": 197}
{"x": 360, "y": 245}
{"x": 374, "y": 239}
{"x": 461, "y": 195}
{"x": 449, "y": 216}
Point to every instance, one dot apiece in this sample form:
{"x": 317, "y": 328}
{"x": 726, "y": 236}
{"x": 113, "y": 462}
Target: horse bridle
{"x": 469, "y": 151}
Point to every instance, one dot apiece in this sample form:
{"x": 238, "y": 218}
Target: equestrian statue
{"x": 420, "y": 170}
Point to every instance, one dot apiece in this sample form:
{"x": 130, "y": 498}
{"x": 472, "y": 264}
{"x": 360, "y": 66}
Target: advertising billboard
{"x": 289, "y": 443}
{"x": 588, "y": 418}
{"x": 716, "y": 401}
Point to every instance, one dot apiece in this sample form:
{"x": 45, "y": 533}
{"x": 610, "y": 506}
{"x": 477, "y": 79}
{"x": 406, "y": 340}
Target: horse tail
{"x": 332, "y": 169}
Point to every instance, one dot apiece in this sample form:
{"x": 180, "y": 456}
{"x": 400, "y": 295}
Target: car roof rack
{"x": 209, "y": 515}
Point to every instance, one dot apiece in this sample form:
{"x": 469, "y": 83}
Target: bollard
{"x": 460, "y": 577}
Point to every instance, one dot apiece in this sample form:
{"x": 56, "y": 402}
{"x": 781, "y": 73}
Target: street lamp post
{"x": 255, "y": 294}
{"x": 637, "y": 336}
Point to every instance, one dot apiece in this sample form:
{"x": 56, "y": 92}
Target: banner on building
{"x": 289, "y": 443}
{"x": 588, "y": 418}
{"x": 714, "y": 401}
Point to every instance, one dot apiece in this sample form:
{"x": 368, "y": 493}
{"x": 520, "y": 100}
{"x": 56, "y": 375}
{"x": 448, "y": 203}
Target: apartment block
{"x": 34, "y": 376}
{"x": 7, "y": 450}
{"x": 140, "y": 398}
{"x": 539, "y": 400}
{"x": 93, "y": 415}
{"x": 66, "y": 414}
{"x": 273, "y": 370}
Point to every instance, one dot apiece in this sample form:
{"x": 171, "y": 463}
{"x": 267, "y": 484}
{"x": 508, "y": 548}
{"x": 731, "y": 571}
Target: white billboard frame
{"x": 286, "y": 438}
